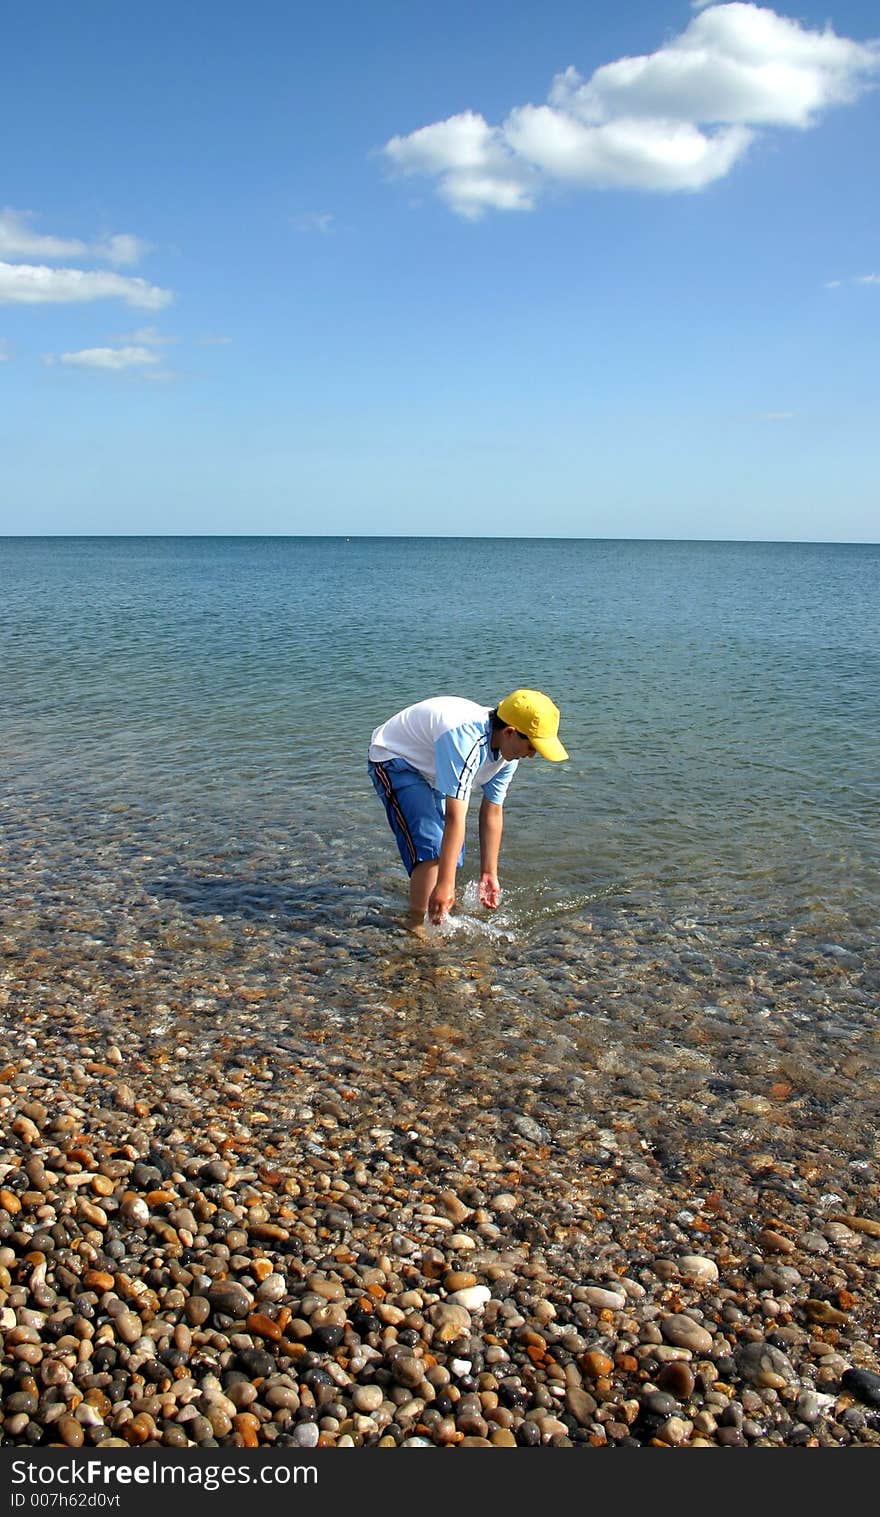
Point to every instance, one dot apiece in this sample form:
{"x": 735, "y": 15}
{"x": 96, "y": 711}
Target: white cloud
{"x": 313, "y": 221}
{"x": 147, "y": 337}
{"x": 676, "y": 119}
{"x": 115, "y": 359}
{"x": 34, "y": 284}
{"x": 122, "y": 248}
{"x": 835, "y": 284}
{"x": 18, "y": 239}
{"x": 736, "y": 63}
{"x": 477, "y": 168}
{"x": 629, "y": 152}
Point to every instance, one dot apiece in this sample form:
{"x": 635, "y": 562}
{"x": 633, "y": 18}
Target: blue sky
{"x": 473, "y": 268}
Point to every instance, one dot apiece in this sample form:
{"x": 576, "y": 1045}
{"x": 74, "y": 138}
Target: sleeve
{"x": 457, "y": 756}
{"x": 496, "y": 788}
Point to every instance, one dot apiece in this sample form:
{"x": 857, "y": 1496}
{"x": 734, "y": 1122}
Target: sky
{"x": 441, "y": 267}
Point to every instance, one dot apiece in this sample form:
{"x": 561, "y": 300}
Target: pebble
{"x": 697, "y": 1267}
{"x": 683, "y": 1332}
{"x": 450, "y": 1320}
{"x": 230, "y": 1297}
{"x": 70, "y": 1432}
{"x": 596, "y": 1364}
{"x": 762, "y": 1364}
{"x": 460, "y": 1218}
{"x": 135, "y": 1210}
{"x": 458, "y": 1280}
{"x": 865, "y": 1384}
{"x": 603, "y": 1299}
{"x": 473, "y": 1297}
{"x": 367, "y": 1398}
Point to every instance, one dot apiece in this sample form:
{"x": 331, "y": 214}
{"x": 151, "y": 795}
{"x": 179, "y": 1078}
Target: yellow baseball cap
{"x": 536, "y": 717}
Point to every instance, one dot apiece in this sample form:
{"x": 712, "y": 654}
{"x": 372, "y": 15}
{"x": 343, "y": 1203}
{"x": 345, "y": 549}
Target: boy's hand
{"x": 490, "y": 891}
{"x": 440, "y": 901}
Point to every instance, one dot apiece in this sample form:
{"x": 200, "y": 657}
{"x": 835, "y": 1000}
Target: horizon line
{"x": 867, "y": 542}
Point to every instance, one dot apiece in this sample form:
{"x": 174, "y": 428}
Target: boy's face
{"x": 514, "y": 745}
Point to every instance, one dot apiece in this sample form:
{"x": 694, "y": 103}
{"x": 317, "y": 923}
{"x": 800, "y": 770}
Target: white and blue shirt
{"x": 447, "y": 739}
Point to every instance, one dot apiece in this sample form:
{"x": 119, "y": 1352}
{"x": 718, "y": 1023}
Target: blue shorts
{"x": 416, "y": 813}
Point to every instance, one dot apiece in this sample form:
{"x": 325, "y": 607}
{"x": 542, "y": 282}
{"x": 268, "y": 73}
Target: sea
{"x": 690, "y": 904}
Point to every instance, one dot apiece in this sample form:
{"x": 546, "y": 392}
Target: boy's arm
{"x": 491, "y": 828}
{"x": 442, "y": 897}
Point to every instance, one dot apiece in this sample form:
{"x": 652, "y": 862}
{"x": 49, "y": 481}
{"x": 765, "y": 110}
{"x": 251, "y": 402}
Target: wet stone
{"x": 369, "y": 1195}
{"x": 683, "y": 1332}
{"x": 761, "y": 1364}
{"x": 581, "y": 1405}
{"x": 197, "y": 1310}
{"x": 678, "y": 1379}
{"x": 230, "y": 1298}
{"x": 660, "y": 1403}
{"x": 865, "y": 1384}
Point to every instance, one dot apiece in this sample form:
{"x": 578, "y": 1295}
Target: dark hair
{"x": 498, "y": 722}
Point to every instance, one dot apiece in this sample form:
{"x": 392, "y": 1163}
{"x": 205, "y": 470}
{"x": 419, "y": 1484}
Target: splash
{"x": 471, "y": 920}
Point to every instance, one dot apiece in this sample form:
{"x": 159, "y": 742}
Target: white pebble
{"x": 473, "y": 1298}
{"x": 698, "y": 1267}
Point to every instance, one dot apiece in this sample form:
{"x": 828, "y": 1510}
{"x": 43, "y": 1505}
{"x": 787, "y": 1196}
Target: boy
{"x": 423, "y": 763}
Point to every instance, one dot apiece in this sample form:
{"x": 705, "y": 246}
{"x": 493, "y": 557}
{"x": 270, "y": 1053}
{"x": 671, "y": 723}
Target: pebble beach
{"x": 597, "y": 1170}
{"x": 318, "y": 1184}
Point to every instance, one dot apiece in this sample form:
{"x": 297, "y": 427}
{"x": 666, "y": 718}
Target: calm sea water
{"x": 721, "y": 705}
{"x": 689, "y": 923}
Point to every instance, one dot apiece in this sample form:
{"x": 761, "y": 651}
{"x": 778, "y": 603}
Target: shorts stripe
{"x": 414, "y": 811}
{"x": 392, "y": 801}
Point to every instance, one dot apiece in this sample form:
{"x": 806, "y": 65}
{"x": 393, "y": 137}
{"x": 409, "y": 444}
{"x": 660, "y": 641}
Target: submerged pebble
{"x": 276, "y": 1181}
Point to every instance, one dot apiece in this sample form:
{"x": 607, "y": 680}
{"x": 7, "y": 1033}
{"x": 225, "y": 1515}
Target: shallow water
{"x": 688, "y": 928}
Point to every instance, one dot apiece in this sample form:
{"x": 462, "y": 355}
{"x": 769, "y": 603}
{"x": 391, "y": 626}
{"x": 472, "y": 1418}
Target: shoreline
{"x": 313, "y": 1231}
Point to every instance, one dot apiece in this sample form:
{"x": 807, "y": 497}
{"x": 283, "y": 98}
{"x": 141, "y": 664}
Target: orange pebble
{"x": 247, "y": 1426}
{"x": 98, "y": 1280}
{"x": 264, "y": 1326}
{"x": 596, "y": 1364}
{"x": 139, "y": 1429}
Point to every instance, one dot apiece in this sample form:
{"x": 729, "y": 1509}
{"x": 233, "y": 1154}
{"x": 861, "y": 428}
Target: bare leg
{"x": 421, "y": 883}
